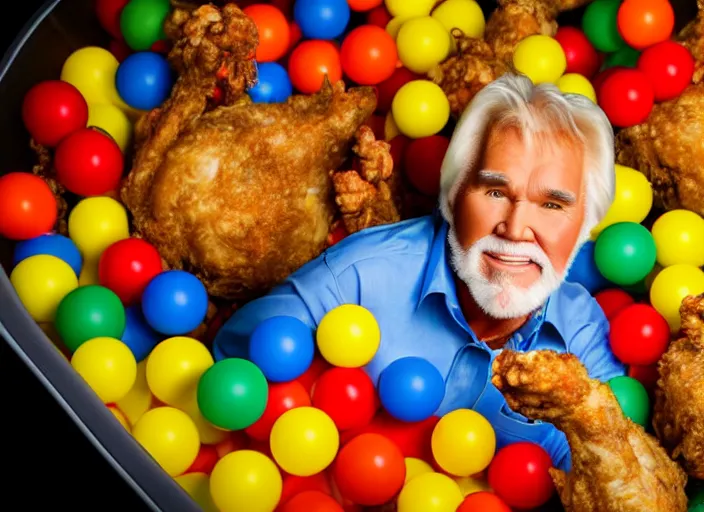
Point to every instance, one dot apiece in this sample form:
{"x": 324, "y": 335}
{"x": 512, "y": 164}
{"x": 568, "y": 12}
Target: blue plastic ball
{"x": 174, "y": 303}
{"x": 54, "y": 245}
{"x": 144, "y": 80}
{"x": 282, "y": 347}
{"x": 585, "y": 272}
{"x": 273, "y": 84}
{"x": 411, "y": 389}
{"x": 321, "y": 19}
{"x": 138, "y": 336}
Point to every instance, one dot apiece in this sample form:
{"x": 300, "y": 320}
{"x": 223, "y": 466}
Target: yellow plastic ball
{"x": 670, "y": 286}
{"x": 420, "y": 109}
{"x": 390, "y": 128}
{"x": 679, "y": 238}
{"x": 430, "y": 492}
{"x": 409, "y": 8}
{"x": 574, "y": 83}
{"x": 246, "y": 480}
{"x": 304, "y": 441}
{"x": 197, "y": 485}
{"x": 540, "y": 58}
{"x": 469, "y": 485}
{"x": 465, "y": 15}
{"x": 633, "y": 199}
{"x": 348, "y": 336}
{"x": 108, "y": 366}
{"x": 112, "y": 121}
{"x": 92, "y": 71}
{"x": 170, "y": 437}
{"x": 120, "y": 417}
{"x": 139, "y": 399}
{"x": 207, "y": 432}
{"x": 422, "y": 44}
{"x": 41, "y": 282}
{"x": 394, "y": 25}
{"x": 463, "y": 442}
{"x": 416, "y": 467}
{"x": 174, "y": 368}
{"x": 95, "y": 223}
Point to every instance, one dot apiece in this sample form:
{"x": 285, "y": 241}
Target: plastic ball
{"x": 580, "y": 54}
{"x": 364, "y": 5}
{"x": 643, "y": 23}
{"x": 624, "y": 57}
{"x": 347, "y": 395}
{"x": 573, "y": 83}
{"x": 625, "y": 253}
{"x": 282, "y": 347}
{"x": 197, "y": 485}
{"x": 672, "y": 285}
{"x": 613, "y": 301}
{"x": 696, "y": 500}
{"x": 52, "y": 244}
{"x": 519, "y": 475}
{"x": 121, "y": 418}
{"x": 626, "y": 97}
{"x": 422, "y": 43}
{"x": 281, "y": 398}
{"x": 314, "y": 371}
{"x": 175, "y": 367}
{"x": 379, "y": 16}
{"x": 321, "y": 19}
{"x": 463, "y": 442}
{"x": 142, "y": 23}
{"x": 420, "y": 109}
{"x": 584, "y": 270}
{"x": 41, "y": 282}
{"x": 170, "y": 437}
{"x": 409, "y": 8}
{"x": 95, "y": 223}
{"x": 472, "y": 484}
{"x": 422, "y": 162}
{"x": 273, "y": 29}
{"x": 415, "y": 467}
{"x": 205, "y": 460}
{"x": 295, "y": 485}
{"x": 139, "y": 399}
{"x": 107, "y": 366}
{"x": 411, "y": 389}
{"x": 633, "y": 199}
{"x": 669, "y": 66}
{"x": 304, "y": 441}
{"x": 466, "y": 15}
{"x": 368, "y": 55}
{"x": 108, "y": 13}
{"x": 53, "y": 109}
{"x": 600, "y": 25}
{"x": 112, "y": 121}
{"x": 348, "y": 336}
{"x": 647, "y": 375}
{"x": 273, "y": 85}
{"x": 311, "y": 501}
{"x": 175, "y": 302}
{"x": 91, "y": 70}
{"x": 395, "y": 24}
{"x": 144, "y": 79}
{"x": 540, "y": 58}
{"x": 119, "y": 49}
{"x": 369, "y": 470}
{"x": 679, "y": 238}
{"x": 207, "y": 432}
{"x": 639, "y": 335}
{"x": 632, "y": 397}
{"x": 127, "y": 266}
{"x": 429, "y": 492}
{"x": 138, "y": 336}
{"x": 483, "y": 501}
{"x": 28, "y": 207}
{"x": 310, "y": 62}
{"x": 245, "y": 480}
{"x": 387, "y": 89}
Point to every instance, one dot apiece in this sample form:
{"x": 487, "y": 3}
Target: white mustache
{"x": 494, "y": 244}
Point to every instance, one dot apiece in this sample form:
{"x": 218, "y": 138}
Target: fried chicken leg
{"x": 678, "y": 416}
{"x": 616, "y": 466}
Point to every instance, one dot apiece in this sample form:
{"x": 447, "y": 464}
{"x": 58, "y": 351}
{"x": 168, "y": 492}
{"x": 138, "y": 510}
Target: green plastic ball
{"x": 696, "y": 501}
{"x": 626, "y": 57}
{"x": 89, "y": 312}
{"x": 624, "y": 253}
{"x": 600, "y": 25}
{"x": 232, "y": 394}
{"x": 632, "y": 397}
{"x": 142, "y": 23}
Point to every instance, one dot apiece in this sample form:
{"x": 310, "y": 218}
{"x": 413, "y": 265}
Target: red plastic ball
{"x": 347, "y": 395}
{"x": 53, "y": 109}
{"x": 369, "y": 470}
{"x": 295, "y": 35}
{"x": 368, "y": 55}
{"x": 310, "y": 376}
{"x": 311, "y": 501}
{"x": 28, "y": 208}
{"x": 127, "y": 266}
{"x": 581, "y": 55}
{"x": 337, "y": 234}
{"x": 399, "y": 144}
{"x": 669, "y": 66}
{"x": 119, "y": 49}
{"x": 108, "y": 13}
{"x": 422, "y": 163}
{"x": 600, "y": 77}
{"x": 205, "y": 460}
{"x": 483, "y": 501}
{"x": 639, "y": 335}
{"x": 378, "y": 125}
{"x": 89, "y": 163}
{"x": 273, "y": 30}
{"x": 519, "y": 475}
{"x": 363, "y": 5}
{"x": 237, "y": 440}
{"x": 386, "y": 90}
{"x": 310, "y": 61}
{"x": 282, "y": 397}
{"x": 626, "y": 97}
{"x": 646, "y": 375}
{"x": 643, "y": 23}
{"x": 293, "y": 485}
{"x": 379, "y": 16}
{"x": 613, "y": 301}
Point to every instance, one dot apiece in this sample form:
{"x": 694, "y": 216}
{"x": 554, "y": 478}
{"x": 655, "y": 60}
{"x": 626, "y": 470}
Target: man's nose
{"x": 516, "y": 224}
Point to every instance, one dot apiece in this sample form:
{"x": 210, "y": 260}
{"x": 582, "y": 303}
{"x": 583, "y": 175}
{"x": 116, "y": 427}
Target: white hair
{"x": 513, "y": 101}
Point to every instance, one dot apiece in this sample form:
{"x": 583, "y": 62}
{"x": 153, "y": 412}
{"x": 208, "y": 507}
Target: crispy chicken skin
{"x": 678, "y": 417}
{"x": 616, "y": 465}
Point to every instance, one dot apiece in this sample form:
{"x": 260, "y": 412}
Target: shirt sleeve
{"x": 591, "y": 345}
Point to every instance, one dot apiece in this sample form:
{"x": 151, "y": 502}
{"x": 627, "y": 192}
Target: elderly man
{"x": 528, "y": 173}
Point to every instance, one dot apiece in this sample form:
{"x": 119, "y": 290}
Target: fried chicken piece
{"x": 678, "y": 416}
{"x": 616, "y": 466}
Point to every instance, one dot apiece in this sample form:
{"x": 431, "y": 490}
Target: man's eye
{"x": 496, "y": 194}
{"x": 553, "y": 206}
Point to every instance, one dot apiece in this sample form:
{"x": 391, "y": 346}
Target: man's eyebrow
{"x": 561, "y": 196}
{"x": 486, "y": 177}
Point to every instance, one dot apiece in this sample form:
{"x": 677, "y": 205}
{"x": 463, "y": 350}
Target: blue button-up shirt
{"x": 401, "y": 273}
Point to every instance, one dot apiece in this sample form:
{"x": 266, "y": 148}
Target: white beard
{"x": 498, "y": 297}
